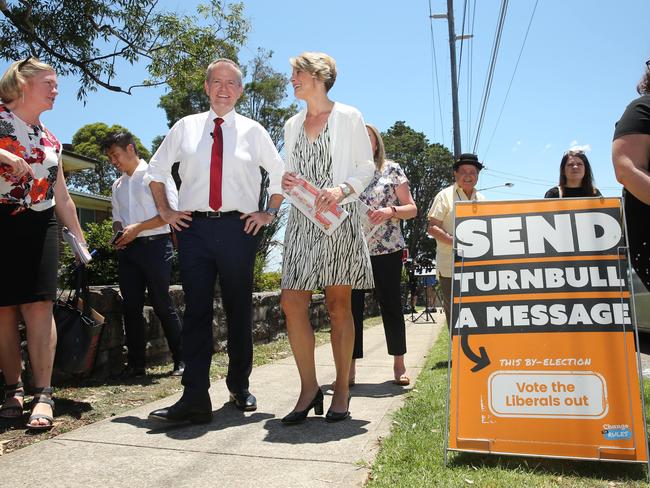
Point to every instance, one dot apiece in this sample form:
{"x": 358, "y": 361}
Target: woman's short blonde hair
{"x": 379, "y": 156}
{"x": 17, "y": 75}
{"x": 320, "y": 65}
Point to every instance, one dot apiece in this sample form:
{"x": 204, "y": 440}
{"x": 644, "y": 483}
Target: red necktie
{"x": 216, "y": 165}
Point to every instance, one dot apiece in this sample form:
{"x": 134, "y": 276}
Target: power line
{"x": 500, "y": 175}
{"x": 434, "y": 75}
{"x": 490, "y": 74}
{"x": 507, "y": 192}
{"x": 521, "y": 178}
{"x": 462, "y": 41}
{"x": 523, "y": 44}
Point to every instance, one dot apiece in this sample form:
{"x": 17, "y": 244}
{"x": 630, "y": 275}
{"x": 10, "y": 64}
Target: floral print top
{"x": 381, "y": 193}
{"x": 40, "y": 149}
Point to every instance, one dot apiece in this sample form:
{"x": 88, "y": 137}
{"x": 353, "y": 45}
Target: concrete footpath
{"x": 237, "y": 449}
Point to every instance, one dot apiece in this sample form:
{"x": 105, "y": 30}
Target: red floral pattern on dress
{"x": 18, "y": 192}
{"x": 10, "y": 144}
{"x": 39, "y": 156}
{"x": 40, "y": 149}
{"x": 39, "y": 190}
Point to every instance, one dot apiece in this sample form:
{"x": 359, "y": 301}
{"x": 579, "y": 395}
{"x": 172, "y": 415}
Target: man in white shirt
{"x": 144, "y": 253}
{"x": 218, "y": 224}
{"x": 441, "y": 219}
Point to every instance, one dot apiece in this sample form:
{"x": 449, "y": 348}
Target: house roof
{"x": 76, "y": 162}
{"x": 90, "y": 200}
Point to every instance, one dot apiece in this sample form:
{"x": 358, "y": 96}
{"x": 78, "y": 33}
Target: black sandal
{"x": 12, "y": 411}
{"x": 41, "y": 395}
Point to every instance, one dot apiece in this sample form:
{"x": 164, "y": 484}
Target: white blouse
{"x": 349, "y": 146}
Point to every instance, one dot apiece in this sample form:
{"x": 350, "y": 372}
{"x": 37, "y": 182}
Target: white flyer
{"x": 79, "y": 251}
{"x": 303, "y": 197}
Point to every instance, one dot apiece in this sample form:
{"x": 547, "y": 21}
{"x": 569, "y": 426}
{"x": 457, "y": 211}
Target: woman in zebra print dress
{"x": 328, "y": 145}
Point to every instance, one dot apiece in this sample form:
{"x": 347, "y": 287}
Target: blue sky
{"x": 578, "y": 71}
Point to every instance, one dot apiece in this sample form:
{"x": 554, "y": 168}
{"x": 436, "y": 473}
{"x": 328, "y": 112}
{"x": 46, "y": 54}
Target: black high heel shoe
{"x": 298, "y": 416}
{"x": 333, "y": 416}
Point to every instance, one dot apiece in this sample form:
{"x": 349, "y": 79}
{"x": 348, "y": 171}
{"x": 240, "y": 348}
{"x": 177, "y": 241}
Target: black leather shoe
{"x": 183, "y": 411}
{"x": 244, "y": 401}
{"x": 333, "y": 416}
{"x": 298, "y": 416}
{"x": 179, "y": 368}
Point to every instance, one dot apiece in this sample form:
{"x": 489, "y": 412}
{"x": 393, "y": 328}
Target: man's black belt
{"x": 215, "y": 215}
{"x": 151, "y": 238}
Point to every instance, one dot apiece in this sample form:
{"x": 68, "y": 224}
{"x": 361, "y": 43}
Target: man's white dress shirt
{"x": 246, "y": 147}
{"x": 133, "y": 202}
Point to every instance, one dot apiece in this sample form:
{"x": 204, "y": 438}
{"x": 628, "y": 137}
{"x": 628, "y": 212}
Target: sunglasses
{"x": 573, "y": 152}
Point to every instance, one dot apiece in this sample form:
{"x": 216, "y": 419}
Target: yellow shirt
{"x": 443, "y": 210}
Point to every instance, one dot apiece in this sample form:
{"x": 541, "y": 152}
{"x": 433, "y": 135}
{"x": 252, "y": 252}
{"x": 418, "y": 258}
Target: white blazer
{"x": 352, "y": 161}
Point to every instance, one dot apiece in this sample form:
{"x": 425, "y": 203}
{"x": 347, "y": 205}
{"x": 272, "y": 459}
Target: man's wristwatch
{"x": 272, "y": 211}
{"x": 345, "y": 189}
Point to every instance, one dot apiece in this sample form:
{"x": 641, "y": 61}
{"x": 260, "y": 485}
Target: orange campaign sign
{"x": 543, "y": 359}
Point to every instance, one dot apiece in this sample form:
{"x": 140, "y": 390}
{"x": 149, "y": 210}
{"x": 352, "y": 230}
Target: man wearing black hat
{"x": 441, "y": 219}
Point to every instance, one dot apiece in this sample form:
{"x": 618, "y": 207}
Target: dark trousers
{"x": 147, "y": 265}
{"x": 212, "y": 248}
{"x": 387, "y": 272}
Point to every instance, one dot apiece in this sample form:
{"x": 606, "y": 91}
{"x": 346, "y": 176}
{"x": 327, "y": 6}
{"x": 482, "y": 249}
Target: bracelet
{"x": 394, "y": 210}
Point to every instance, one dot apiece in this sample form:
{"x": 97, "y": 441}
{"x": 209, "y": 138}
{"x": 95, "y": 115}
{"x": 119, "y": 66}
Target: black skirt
{"x": 29, "y": 256}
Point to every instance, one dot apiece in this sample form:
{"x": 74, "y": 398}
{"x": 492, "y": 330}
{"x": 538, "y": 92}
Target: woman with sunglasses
{"x": 32, "y": 192}
{"x": 631, "y": 157}
{"x": 576, "y": 178}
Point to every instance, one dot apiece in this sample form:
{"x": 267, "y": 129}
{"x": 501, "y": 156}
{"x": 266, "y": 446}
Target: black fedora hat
{"x": 468, "y": 158}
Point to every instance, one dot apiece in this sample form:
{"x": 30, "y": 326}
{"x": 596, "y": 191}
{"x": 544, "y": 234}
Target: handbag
{"x": 78, "y": 327}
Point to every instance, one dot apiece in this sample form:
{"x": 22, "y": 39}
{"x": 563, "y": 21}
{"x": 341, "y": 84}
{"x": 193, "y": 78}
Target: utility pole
{"x": 454, "y": 74}
{"x": 454, "y": 77}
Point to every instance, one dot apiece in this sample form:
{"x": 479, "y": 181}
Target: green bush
{"x": 102, "y": 270}
{"x": 262, "y": 281}
{"x": 269, "y": 281}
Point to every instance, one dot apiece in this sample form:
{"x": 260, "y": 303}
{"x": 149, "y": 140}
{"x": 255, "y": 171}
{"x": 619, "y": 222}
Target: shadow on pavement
{"x": 314, "y": 430}
{"x": 371, "y": 390}
{"x": 223, "y": 418}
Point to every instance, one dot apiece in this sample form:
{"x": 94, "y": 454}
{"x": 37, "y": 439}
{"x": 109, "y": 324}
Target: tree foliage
{"x": 91, "y": 38}
{"x": 102, "y": 270}
{"x": 263, "y": 100}
{"x": 87, "y": 141}
{"x": 429, "y": 170}
{"x": 265, "y": 93}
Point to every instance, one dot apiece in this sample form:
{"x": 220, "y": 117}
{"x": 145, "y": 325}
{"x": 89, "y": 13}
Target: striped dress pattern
{"x": 313, "y": 260}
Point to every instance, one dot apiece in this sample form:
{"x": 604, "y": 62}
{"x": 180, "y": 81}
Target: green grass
{"x": 412, "y": 456}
